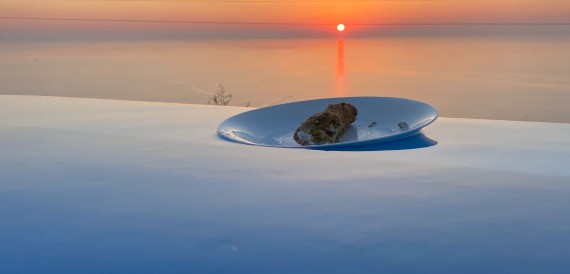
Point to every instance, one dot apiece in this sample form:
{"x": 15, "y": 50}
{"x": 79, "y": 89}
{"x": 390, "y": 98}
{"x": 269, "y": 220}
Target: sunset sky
{"x": 311, "y": 12}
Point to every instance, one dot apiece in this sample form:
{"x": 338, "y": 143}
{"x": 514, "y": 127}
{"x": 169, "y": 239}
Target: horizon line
{"x": 286, "y": 23}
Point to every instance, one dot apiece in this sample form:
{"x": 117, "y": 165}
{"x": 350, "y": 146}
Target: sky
{"x": 300, "y": 16}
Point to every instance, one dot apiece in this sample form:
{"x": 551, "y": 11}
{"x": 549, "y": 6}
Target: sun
{"x": 340, "y": 27}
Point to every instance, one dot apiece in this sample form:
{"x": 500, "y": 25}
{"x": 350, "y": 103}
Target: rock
{"x": 326, "y": 127}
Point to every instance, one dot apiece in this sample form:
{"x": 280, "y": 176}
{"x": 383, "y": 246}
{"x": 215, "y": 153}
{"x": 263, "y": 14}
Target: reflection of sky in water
{"x": 521, "y": 78}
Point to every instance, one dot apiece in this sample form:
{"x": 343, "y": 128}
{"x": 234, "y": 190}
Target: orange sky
{"x": 310, "y": 11}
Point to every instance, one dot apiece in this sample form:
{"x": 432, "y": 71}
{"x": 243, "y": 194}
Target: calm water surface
{"x": 522, "y": 78}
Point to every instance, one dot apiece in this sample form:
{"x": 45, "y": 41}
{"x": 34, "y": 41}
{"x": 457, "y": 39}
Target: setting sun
{"x": 340, "y": 27}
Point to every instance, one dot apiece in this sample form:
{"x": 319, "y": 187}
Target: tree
{"x": 221, "y": 98}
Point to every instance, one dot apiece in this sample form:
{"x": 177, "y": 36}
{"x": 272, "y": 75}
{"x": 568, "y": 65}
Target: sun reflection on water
{"x": 340, "y": 88}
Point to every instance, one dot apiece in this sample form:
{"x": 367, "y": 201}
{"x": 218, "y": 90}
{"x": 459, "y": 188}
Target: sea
{"x": 512, "y": 77}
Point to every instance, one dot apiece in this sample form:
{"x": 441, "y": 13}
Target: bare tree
{"x": 221, "y": 98}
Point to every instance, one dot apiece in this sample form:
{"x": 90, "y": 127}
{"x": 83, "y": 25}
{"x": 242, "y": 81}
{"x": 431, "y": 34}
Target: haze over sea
{"x": 519, "y": 72}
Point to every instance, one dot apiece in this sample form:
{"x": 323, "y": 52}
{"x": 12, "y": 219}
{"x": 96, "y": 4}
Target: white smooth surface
{"x": 102, "y": 186}
{"x": 377, "y": 121}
